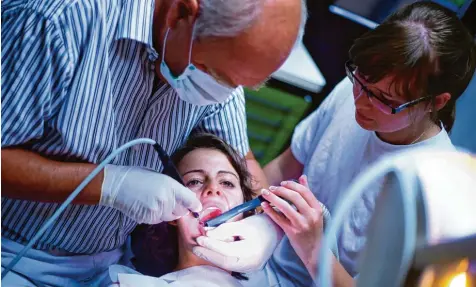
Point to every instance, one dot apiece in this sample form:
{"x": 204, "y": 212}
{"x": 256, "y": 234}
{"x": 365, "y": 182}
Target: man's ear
{"x": 441, "y": 100}
{"x": 182, "y": 10}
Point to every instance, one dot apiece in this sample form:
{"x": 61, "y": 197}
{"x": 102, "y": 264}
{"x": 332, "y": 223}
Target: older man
{"x": 81, "y": 78}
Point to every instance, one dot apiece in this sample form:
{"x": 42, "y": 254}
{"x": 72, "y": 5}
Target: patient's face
{"x": 216, "y": 184}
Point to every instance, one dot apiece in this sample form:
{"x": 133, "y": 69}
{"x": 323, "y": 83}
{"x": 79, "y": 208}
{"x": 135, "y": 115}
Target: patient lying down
{"x": 219, "y": 177}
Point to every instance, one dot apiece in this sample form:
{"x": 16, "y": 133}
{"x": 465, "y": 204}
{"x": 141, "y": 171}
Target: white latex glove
{"x": 259, "y": 237}
{"x": 145, "y": 195}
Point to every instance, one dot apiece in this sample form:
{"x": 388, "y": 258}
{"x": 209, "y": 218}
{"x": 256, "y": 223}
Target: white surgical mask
{"x": 193, "y": 85}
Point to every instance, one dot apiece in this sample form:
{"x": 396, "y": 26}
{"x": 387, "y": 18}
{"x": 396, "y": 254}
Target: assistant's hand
{"x": 258, "y": 235}
{"x": 146, "y": 196}
{"x": 304, "y": 224}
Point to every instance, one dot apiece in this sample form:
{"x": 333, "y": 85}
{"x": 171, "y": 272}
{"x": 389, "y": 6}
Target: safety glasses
{"x": 379, "y": 102}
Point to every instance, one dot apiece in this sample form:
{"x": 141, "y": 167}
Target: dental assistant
{"x": 80, "y": 78}
{"x": 403, "y": 80}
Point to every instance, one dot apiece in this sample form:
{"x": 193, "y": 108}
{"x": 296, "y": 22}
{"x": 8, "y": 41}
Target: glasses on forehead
{"x": 379, "y": 102}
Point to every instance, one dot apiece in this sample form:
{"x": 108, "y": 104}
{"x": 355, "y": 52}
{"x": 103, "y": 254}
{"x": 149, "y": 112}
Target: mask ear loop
{"x": 189, "y": 50}
{"x": 163, "y": 46}
{"x": 191, "y": 45}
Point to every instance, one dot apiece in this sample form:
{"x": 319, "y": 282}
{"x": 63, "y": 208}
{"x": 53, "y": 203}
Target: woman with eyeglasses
{"x": 403, "y": 80}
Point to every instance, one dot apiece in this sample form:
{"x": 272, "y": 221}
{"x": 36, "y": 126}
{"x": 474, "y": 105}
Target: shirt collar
{"x": 136, "y": 21}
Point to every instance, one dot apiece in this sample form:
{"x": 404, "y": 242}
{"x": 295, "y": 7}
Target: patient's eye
{"x": 193, "y": 183}
{"x": 227, "y": 183}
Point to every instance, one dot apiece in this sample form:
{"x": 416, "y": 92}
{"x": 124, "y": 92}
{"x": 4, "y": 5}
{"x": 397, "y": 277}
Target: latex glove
{"x": 145, "y": 195}
{"x": 302, "y": 223}
{"x": 259, "y": 237}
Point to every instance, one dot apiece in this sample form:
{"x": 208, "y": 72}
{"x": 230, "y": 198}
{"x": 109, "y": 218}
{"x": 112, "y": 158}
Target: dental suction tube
{"x": 247, "y": 206}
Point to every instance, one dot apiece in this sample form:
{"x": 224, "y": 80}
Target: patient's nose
{"x": 212, "y": 190}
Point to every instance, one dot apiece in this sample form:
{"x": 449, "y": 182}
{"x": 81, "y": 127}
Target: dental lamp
{"x": 423, "y": 227}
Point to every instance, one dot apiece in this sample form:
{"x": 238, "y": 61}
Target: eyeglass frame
{"x": 350, "y": 68}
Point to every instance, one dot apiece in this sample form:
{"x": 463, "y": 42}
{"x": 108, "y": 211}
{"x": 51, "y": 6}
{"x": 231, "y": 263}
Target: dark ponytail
{"x": 447, "y": 115}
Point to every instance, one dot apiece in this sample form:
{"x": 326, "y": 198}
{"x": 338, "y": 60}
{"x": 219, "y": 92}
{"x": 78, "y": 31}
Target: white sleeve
{"x": 310, "y": 130}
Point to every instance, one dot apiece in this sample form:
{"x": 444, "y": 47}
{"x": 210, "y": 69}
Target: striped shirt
{"x": 78, "y": 81}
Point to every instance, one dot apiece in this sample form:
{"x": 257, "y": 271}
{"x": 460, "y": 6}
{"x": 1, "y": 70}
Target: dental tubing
{"x": 73, "y": 195}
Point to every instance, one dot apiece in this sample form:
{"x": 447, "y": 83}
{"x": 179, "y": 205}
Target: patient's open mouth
{"x": 209, "y": 213}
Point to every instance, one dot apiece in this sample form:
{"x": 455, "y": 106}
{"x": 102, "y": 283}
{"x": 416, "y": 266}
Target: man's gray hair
{"x": 227, "y": 18}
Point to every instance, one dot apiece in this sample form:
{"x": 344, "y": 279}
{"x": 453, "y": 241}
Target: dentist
{"x": 80, "y": 78}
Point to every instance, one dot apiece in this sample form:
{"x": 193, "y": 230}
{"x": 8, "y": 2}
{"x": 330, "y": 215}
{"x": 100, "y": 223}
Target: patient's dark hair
{"x": 426, "y": 48}
{"x": 209, "y": 141}
{"x": 156, "y": 247}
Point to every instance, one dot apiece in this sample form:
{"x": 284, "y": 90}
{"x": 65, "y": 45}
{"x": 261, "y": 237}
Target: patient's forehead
{"x": 207, "y": 159}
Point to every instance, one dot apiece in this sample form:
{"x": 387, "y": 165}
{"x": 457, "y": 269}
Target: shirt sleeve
{"x": 228, "y": 121}
{"x": 35, "y": 74}
{"x": 309, "y": 131}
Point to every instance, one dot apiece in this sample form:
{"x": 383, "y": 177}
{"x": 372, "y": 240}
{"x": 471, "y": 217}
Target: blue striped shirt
{"x": 78, "y": 81}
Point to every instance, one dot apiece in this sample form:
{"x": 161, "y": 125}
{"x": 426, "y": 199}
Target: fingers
{"x": 186, "y": 198}
{"x": 226, "y": 232}
{"x": 216, "y": 258}
{"x": 292, "y": 197}
{"x": 278, "y": 218}
{"x": 180, "y": 211}
{"x": 215, "y": 245}
{"x": 291, "y": 214}
{"x": 171, "y": 210}
{"x": 303, "y": 189}
{"x": 167, "y": 218}
{"x": 303, "y": 181}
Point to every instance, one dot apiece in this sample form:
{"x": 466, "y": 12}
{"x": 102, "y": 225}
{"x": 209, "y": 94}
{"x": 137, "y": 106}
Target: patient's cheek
{"x": 201, "y": 228}
{"x": 189, "y": 228}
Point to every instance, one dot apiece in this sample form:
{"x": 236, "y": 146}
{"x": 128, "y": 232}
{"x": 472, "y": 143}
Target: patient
{"x": 220, "y": 179}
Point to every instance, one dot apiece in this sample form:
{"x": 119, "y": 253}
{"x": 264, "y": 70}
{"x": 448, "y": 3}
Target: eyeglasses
{"x": 379, "y": 102}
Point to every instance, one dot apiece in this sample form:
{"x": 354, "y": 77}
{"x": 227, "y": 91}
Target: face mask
{"x": 193, "y": 85}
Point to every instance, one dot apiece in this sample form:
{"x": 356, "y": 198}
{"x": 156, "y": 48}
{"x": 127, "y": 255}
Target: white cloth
{"x": 290, "y": 274}
{"x": 56, "y": 269}
{"x": 197, "y": 276}
{"x": 333, "y": 149}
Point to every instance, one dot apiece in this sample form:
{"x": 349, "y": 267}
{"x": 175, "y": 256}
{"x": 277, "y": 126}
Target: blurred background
{"x": 317, "y": 65}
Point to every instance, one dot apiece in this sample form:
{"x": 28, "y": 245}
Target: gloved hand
{"x": 145, "y": 195}
{"x": 300, "y": 215}
{"x": 259, "y": 237}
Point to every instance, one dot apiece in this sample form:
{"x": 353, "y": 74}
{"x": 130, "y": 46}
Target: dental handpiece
{"x": 170, "y": 169}
{"x": 247, "y": 206}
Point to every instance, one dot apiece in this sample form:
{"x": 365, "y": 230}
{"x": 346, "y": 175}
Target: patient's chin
{"x": 189, "y": 228}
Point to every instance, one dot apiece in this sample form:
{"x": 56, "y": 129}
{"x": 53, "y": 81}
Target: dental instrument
{"x": 408, "y": 229}
{"x": 250, "y": 205}
{"x": 247, "y": 206}
{"x": 169, "y": 169}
